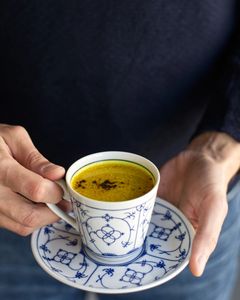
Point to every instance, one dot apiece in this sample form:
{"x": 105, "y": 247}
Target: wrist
{"x": 219, "y": 148}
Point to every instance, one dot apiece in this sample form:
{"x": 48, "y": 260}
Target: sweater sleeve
{"x": 223, "y": 111}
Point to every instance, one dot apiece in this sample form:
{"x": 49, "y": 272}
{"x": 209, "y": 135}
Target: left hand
{"x": 196, "y": 181}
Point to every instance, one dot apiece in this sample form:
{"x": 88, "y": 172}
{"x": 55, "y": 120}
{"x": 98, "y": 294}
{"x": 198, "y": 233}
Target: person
{"x": 156, "y": 78}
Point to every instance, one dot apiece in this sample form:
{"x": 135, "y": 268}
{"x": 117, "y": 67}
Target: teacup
{"x": 110, "y": 231}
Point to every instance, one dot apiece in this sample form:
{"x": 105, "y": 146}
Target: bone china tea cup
{"x": 113, "y": 195}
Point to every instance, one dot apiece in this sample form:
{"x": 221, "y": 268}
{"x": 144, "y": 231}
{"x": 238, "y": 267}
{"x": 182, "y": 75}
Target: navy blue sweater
{"x": 141, "y": 76}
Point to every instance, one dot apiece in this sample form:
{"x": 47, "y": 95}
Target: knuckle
{"x": 23, "y": 230}
{"x": 30, "y": 219}
{"x": 14, "y": 130}
{"x": 33, "y": 158}
{"x": 17, "y": 130}
{"x": 35, "y": 191}
{"x": 5, "y": 169}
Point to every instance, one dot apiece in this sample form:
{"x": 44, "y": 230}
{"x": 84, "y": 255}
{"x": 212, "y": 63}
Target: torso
{"x": 91, "y": 75}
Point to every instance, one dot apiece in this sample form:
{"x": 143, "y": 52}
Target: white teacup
{"x": 110, "y": 231}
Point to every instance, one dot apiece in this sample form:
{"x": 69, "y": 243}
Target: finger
{"x": 28, "y": 183}
{"x": 13, "y": 226}
{"x": 26, "y": 213}
{"x": 170, "y": 185}
{"x": 24, "y": 151}
{"x": 208, "y": 231}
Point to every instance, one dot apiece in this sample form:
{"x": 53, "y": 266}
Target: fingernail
{"x": 53, "y": 192}
{"x": 50, "y": 167}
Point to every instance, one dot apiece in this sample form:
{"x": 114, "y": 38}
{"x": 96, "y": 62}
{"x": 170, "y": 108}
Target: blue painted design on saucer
{"x": 165, "y": 253}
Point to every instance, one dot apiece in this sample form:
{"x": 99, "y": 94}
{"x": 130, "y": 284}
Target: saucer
{"x": 165, "y": 253}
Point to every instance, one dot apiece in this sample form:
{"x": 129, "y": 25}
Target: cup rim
{"x": 78, "y": 197}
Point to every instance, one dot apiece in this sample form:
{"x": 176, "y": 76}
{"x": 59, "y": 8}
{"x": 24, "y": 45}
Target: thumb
{"x": 39, "y": 164}
{"x": 24, "y": 151}
{"x": 169, "y": 179}
{"x": 210, "y": 223}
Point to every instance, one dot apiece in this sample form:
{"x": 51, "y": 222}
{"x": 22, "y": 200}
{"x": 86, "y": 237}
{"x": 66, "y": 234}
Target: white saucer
{"x": 166, "y": 251}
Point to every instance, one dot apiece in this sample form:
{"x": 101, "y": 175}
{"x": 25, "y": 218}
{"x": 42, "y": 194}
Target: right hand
{"x": 26, "y": 183}
{"x": 200, "y": 176}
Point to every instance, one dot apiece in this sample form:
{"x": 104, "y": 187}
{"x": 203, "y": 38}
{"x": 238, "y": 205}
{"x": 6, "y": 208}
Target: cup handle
{"x": 60, "y": 213}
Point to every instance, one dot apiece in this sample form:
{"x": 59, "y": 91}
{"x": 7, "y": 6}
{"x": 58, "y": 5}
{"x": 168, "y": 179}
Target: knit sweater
{"x": 140, "y": 76}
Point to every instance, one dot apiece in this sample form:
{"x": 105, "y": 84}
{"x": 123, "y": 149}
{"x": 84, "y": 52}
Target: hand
{"x": 196, "y": 181}
{"x": 26, "y": 182}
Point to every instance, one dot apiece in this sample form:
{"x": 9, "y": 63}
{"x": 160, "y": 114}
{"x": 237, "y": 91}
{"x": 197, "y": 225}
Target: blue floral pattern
{"x": 102, "y": 229}
{"x": 108, "y": 234}
{"x": 167, "y": 246}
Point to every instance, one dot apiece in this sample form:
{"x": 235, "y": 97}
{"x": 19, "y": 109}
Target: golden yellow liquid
{"x": 112, "y": 180}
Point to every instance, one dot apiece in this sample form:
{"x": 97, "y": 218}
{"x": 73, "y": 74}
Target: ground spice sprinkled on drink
{"x": 113, "y": 181}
